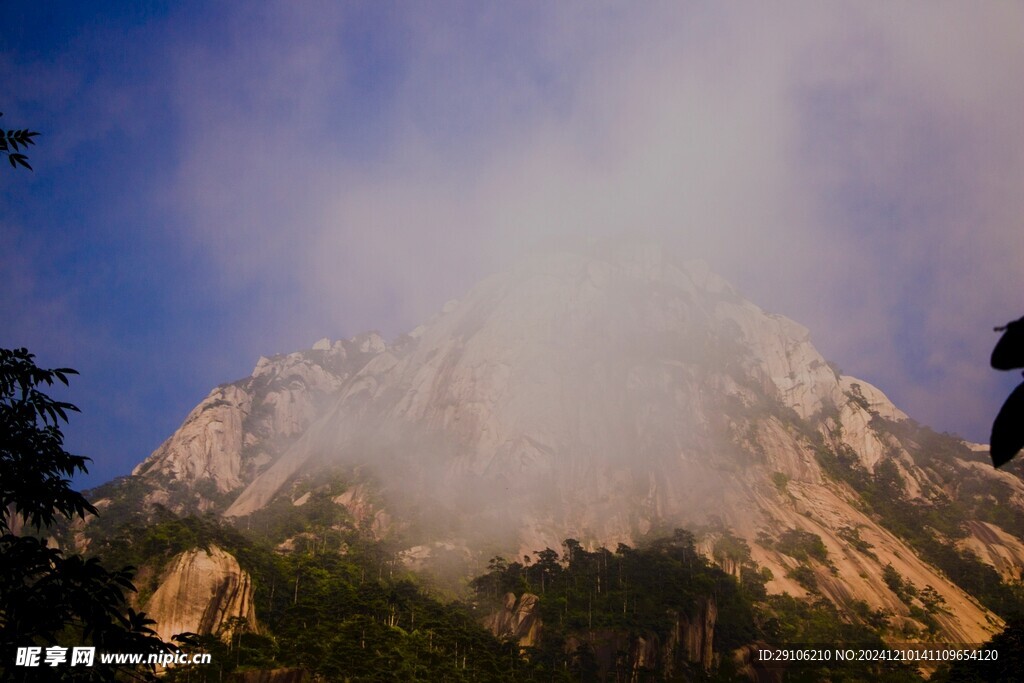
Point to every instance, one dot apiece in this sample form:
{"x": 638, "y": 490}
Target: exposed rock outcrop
{"x": 598, "y": 396}
{"x": 202, "y": 591}
{"x": 690, "y": 640}
{"x": 693, "y": 636}
{"x": 751, "y": 666}
{"x": 997, "y": 548}
{"x": 518, "y": 620}
{"x": 208, "y": 446}
{"x": 242, "y": 428}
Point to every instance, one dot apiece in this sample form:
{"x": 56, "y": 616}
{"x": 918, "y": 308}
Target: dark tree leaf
{"x": 46, "y": 596}
{"x": 11, "y": 142}
{"x": 1009, "y": 351}
{"x": 1008, "y": 429}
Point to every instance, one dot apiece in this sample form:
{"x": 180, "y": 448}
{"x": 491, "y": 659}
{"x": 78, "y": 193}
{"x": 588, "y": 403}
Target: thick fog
{"x": 855, "y": 167}
{"x": 318, "y": 169}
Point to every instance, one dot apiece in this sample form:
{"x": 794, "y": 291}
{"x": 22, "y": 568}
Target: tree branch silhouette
{"x": 13, "y": 141}
{"x": 47, "y": 596}
{"x": 1008, "y": 429}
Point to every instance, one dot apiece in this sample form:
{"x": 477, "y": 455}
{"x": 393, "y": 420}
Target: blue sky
{"x": 217, "y": 181}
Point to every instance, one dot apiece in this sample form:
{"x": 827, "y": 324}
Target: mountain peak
{"x": 600, "y": 396}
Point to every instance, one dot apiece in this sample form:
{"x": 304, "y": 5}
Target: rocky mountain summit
{"x": 608, "y": 397}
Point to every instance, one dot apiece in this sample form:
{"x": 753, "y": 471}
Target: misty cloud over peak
{"x": 567, "y": 376}
{"x": 250, "y": 180}
{"x": 603, "y": 393}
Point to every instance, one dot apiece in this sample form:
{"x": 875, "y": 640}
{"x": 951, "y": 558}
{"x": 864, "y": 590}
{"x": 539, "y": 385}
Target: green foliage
{"x": 1005, "y": 668}
{"x": 856, "y": 396}
{"x": 932, "y": 600}
{"x": 903, "y": 588}
{"x": 599, "y": 602}
{"x": 153, "y": 543}
{"x": 931, "y": 527}
{"x": 728, "y": 546}
{"x": 282, "y": 520}
{"x": 788, "y": 620}
{"x": 354, "y": 614}
{"x": 339, "y": 604}
{"x": 924, "y": 604}
{"x": 985, "y": 499}
{"x": 852, "y": 536}
{"x": 644, "y": 591}
{"x": 804, "y": 576}
{"x": 12, "y": 142}
{"x": 47, "y": 597}
{"x": 802, "y": 545}
{"x": 877, "y": 620}
{"x": 34, "y": 467}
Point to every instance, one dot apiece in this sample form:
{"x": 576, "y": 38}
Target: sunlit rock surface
{"x": 204, "y": 592}
{"x": 595, "y": 396}
{"x": 208, "y": 446}
{"x": 518, "y": 620}
{"x": 240, "y": 428}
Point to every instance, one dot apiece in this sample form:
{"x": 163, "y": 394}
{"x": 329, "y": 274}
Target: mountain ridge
{"x": 602, "y": 398}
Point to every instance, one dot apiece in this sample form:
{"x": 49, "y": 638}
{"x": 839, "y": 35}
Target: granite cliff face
{"x": 519, "y": 620}
{"x": 240, "y": 428}
{"x": 204, "y": 592}
{"x": 690, "y": 639}
{"x": 603, "y": 397}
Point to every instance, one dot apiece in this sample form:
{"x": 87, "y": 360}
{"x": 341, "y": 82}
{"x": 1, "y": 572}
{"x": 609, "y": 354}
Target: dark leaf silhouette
{"x": 48, "y": 596}
{"x": 1009, "y": 351}
{"x": 1008, "y": 429}
{"x": 13, "y": 141}
{"x": 35, "y": 470}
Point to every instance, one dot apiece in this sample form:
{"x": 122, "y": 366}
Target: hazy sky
{"x": 217, "y": 180}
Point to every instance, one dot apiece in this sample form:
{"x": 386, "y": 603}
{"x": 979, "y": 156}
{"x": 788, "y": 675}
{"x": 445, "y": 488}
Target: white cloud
{"x": 852, "y": 166}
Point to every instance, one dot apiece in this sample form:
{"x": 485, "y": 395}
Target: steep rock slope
{"x": 604, "y": 397}
{"x": 238, "y": 429}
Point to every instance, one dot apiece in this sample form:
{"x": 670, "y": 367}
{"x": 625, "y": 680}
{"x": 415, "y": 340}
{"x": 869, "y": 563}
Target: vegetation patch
{"x": 933, "y": 525}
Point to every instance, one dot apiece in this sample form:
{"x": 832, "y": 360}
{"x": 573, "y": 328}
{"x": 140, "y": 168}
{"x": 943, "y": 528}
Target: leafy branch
{"x": 13, "y": 141}
{"x": 35, "y": 470}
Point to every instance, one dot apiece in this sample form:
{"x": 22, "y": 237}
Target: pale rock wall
{"x": 518, "y": 620}
{"x": 592, "y": 397}
{"x": 877, "y": 402}
{"x": 208, "y": 445}
{"x": 997, "y": 548}
{"x": 199, "y": 592}
{"x": 588, "y": 392}
{"x": 690, "y": 639}
{"x": 240, "y": 429}
{"x": 824, "y": 511}
{"x": 858, "y": 435}
{"x": 693, "y": 636}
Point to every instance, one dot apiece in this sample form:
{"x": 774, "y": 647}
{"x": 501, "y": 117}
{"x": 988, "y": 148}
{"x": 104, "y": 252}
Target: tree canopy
{"x": 49, "y": 598}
